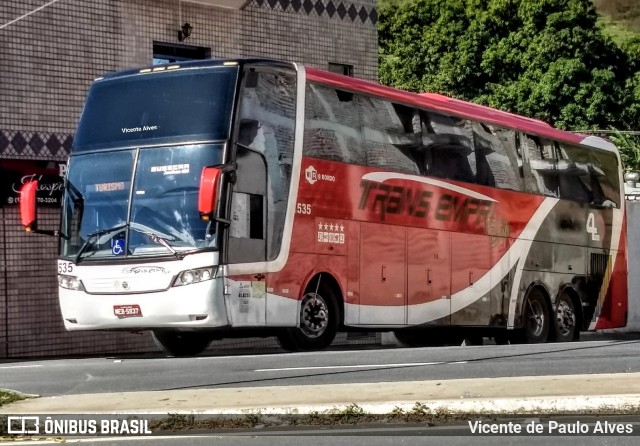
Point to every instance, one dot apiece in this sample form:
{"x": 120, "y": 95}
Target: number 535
{"x": 303, "y": 208}
{"x": 65, "y": 267}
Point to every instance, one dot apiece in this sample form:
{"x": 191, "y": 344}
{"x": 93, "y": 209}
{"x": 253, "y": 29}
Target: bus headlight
{"x": 195, "y": 275}
{"x": 70, "y": 282}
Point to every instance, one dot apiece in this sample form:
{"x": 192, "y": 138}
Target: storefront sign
{"x": 15, "y": 173}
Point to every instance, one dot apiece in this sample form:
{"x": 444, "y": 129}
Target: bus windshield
{"x": 149, "y": 211}
{"x": 158, "y": 108}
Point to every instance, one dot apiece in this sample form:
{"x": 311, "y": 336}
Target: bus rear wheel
{"x": 566, "y": 320}
{"x": 535, "y": 318}
{"x": 319, "y": 320}
{"x": 181, "y": 343}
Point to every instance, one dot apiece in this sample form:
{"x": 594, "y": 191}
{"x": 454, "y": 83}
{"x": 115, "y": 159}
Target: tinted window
{"x": 606, "y": 171}
{"x": 158, "y": 107}
{"x": 163, "y": 200}
{"x": 448, "y": 144}
{"x": 165, "y": 196}
{"x": 540, "y": 169}
{"x": 332, "y": 126}
{"x": 388, "y": 136}
{"x": 267, "y": 125}
{"x": 95, "y": 198}
{"x": 575, "y": 177}
{"x": 496, "y": 157}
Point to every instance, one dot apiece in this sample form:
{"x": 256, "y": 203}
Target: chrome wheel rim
{"x": 536, "y": 318}
{"x": 565, "y": 318}
{"x": 314, "y": 315}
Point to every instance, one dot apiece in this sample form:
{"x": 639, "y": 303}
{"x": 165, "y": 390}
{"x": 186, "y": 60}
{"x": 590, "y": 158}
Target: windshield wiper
{"x": 154, "y": 236}
{"x": 157, "y": 239}
{"x": 95, "y": 234}
{"x": 164, "y": 241}
{"x": 160, "y": 238}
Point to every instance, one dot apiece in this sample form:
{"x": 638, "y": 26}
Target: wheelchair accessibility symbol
{"x": 117, "y": 246}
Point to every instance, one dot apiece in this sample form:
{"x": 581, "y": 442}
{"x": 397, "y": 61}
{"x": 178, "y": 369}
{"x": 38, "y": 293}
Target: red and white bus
{"x": 255, "y": 197}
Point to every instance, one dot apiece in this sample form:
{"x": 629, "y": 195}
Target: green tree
{"x": 631, "y": 113}
{"x": 546, "y": 59}
{"x": 629, "y": 145}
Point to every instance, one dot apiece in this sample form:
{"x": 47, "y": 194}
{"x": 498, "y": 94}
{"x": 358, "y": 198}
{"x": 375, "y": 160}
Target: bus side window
{"x": 540, "y": 170}
{"x": 266, "y": 124}
{"x": 247, "y": 229}
{"x": 482, "y": 145}
{"x": 332, "y": 126}
{"x": 604, "y": 171}
{"x": 387, "y": 143}
{"x": 449, "y": 147}
{"x": 574, "y": 175}
{"x": 407, "y": 137}
{"x": 496, "y": 153}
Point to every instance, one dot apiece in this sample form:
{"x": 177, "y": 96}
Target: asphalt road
{"x": 98, "y": 375}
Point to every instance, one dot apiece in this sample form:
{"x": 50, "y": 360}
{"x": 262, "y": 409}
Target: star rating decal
{"x": 331, "y": 233}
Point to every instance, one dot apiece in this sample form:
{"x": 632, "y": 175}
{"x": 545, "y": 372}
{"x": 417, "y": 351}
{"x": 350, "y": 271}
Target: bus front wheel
{"x": 319, "y": 320}
{"x": 181, "y": 343}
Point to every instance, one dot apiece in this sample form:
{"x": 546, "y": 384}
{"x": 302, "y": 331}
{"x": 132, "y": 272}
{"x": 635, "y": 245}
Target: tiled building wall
{"x": 33, "y": 322}
{"x": 4, "y": 344}
{"x": 50, "y": 57}
{"x": 48, "y": 60}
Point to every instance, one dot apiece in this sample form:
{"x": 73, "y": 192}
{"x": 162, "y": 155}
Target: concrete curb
{"x": 613, "y": 393}
{"x": 579, "y": 404}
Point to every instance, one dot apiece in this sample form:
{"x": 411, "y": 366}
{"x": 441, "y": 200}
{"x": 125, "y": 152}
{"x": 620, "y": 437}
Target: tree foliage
{"x": 629, "y": 146}
{"x": 546, "y": 59}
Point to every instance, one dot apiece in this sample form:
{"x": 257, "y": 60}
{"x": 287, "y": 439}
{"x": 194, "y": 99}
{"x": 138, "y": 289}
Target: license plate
{"x": 123, "y": 311}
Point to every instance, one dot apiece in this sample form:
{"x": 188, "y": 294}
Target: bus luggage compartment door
{"x": 429, "y": 277}
{"x": 470, "y": 281}
{"x": 382, "y": 274}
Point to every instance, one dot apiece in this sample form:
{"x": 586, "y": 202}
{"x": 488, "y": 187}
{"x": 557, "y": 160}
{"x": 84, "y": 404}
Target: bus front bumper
{"x": 195, "y": 306}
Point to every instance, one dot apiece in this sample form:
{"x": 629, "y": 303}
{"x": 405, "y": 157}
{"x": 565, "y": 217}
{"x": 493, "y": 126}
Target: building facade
{"x": 52, "y": 50}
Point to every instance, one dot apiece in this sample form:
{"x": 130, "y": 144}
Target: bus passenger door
{"x": 247, "y": 238}
{"x": 470, "y": 281}
{"x": 266, "y": 124}
{"x": 382, "y": 274}
{"x": 429, "y": 277}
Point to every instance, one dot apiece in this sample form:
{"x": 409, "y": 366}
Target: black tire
{"x": 319, "y": 322}
{"x": 181, "y": 343}
{"x": 535, "y": 318}
{"x": 566, "y": 319}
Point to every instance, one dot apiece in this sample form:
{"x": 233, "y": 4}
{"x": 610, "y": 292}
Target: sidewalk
{"x": 604, "y": 393}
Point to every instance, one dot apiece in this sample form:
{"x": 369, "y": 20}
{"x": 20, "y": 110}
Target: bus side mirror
{"x": 208, "y": 196}
{"x": 28, "y": 214}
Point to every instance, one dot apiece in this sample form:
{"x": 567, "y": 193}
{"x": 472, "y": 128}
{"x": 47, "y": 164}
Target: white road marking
{"x": 359, "y": 366}
{"x": 266, "y": 355}
{"x": 21, "y": 366}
